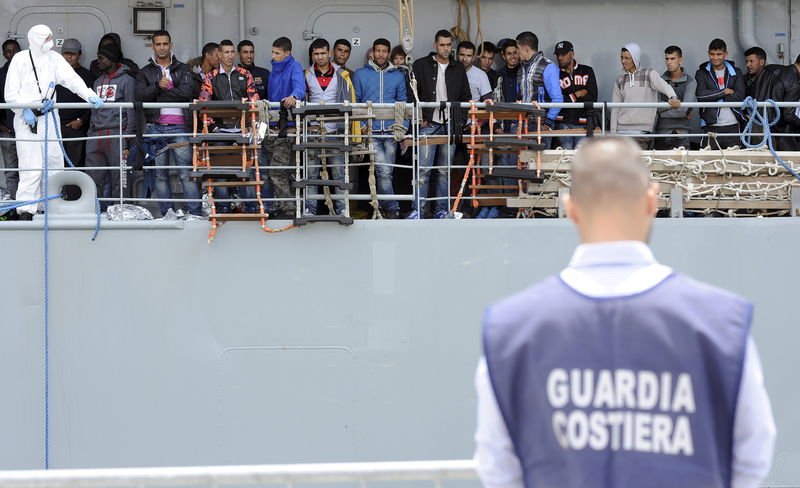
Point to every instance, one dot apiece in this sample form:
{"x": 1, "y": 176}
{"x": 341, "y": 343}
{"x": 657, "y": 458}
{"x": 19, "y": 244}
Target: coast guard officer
{"x": 620, "y": 372}
{"x": 32, "y": 76}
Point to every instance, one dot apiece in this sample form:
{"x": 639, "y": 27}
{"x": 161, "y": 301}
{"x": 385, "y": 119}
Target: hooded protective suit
{"x": 21, "y": 87}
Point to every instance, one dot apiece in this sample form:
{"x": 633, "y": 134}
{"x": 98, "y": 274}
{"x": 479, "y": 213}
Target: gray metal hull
{"x": 320, "y": 344}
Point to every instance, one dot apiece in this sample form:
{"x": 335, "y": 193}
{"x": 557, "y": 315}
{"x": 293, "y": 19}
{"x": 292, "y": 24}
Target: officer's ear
{"x": 652, "y": 198}
{"x": 569, "y": 208}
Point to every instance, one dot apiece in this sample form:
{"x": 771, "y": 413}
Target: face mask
{"x": 47, "y": 46}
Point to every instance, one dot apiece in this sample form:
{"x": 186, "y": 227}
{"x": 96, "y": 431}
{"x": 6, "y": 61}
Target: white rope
{"x": 406, "y": 8}
{"x": 691, "y": 175}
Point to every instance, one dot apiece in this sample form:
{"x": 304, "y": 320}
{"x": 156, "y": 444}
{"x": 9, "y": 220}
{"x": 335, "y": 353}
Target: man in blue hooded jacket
{"x": 379, "y": 81}
{"x": 287, "y": 85}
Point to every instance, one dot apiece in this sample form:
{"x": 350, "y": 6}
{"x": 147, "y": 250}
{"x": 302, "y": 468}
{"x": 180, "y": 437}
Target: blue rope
{"x": 97, "y": 225}
{"x": 47, "y": 109}
{"x": 11, "y": 206}
{"x": 60, "y": 140}
{"x": 750, "y": 105}
{"x": 46, "y": 298}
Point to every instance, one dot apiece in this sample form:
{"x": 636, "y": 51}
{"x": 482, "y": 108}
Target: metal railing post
{"x": 121, "y": 169}
{"x": 449, "y": 154}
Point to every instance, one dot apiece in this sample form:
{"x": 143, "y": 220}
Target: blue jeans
{"x": 427, "y": 159}
{"x": 385, "y": 150}
{"x": 568, "y": 142}
{"x": 335, "y": 172}
{"x": 181, "y": 156}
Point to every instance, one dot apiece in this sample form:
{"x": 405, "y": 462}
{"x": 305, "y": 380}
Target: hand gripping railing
{"x": 289, "y": 474}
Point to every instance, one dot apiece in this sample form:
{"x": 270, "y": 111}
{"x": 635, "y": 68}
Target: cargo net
{"x": 730, "y": 183}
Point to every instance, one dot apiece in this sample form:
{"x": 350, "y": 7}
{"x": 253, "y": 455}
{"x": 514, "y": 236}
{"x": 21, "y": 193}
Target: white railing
{"x": 214, "y": 476}
{"x": 382, "y": 111}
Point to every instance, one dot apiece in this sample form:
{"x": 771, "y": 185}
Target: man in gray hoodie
{"x": 115, "y": 84}
{"x": 638, "y": 85}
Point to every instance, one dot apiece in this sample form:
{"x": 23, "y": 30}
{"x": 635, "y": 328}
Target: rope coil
{"x": 751, "y": 105}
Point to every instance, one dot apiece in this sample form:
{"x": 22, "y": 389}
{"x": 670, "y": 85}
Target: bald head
{"x": 608, "y": 172}
{"x": 611, "y": 198}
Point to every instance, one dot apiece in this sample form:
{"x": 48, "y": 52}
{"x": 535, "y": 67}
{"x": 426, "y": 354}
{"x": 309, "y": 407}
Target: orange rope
{"x": 474, "y": 118}
{"x": 491, "y": 138}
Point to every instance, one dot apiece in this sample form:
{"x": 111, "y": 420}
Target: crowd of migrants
{"x": 525, "y": 74}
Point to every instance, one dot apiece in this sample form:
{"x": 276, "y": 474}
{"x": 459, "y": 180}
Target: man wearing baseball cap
{"x": 578, "y": 84}
{"x": 74, "y": 121}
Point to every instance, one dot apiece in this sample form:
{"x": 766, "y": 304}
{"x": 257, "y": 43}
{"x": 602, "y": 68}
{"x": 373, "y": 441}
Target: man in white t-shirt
{"x": 479, "y": 85}
{"x": 439, "y": 78}
{"x": 719, "y": 80}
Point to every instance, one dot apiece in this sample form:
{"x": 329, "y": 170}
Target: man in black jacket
{"x": 74, "y": 121}
{"x": 719, "y": 80}
{"x": 578, "y": 84}
{"x": 762, "y": 84}
{"x": 790, "y": 122}
{"x": 9, "y": 179}
{"x": 247, "y": 60}
{"x": 439, "y": 79}
{"x": 165, "y": 79}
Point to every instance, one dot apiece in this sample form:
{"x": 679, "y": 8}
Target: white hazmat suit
{"x": 20, "y": 87}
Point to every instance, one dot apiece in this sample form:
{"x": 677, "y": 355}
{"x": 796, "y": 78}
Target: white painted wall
{"x": 597, "y": 29}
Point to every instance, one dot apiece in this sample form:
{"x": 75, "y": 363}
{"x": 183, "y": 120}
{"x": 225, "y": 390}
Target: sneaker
{"x": 25, "y": 216}
{"x": 493, "y": 213}
{"x": 391, "y": 214}
{"x": 441, "y": 214}
{"x": 414, "y": 215}
{"x": 483, "y": 212}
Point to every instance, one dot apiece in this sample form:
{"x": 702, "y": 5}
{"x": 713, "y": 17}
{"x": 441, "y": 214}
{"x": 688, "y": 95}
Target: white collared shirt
{"x": 611, "y": 269}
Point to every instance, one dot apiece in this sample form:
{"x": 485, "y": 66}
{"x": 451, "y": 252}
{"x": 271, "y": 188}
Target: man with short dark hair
{"x": 620, "y": 372}
{"x": 287, "y": 85}
{"x": 506, "y": 91}
{"x": 790, "y": 117}
{"x": 341, "y": 54}
{"x": 75, "y": 121}
{"x": 203, "y": 65}
{"x": 675, "y": 120}
{"x": 8, "y": 179}
{"x": 578, "y": 84}
{"x": 479, "y": 85}
{"x": 486, "y": 54}
{"x": 326, "y": 85}
{"x": 762, "y": 84}
{"x": 719, "y": 80}
{"x": 234, "y": 83}
{"x": 538, "y": 77}
{"x": 247, "y": 57}
{"x": 439, "y": 79}
{"x": 167, "y": 80}
{"x": 381, "y": 82}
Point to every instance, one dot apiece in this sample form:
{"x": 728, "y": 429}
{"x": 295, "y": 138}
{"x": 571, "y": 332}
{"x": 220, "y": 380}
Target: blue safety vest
{"x": 632, "y": 391}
